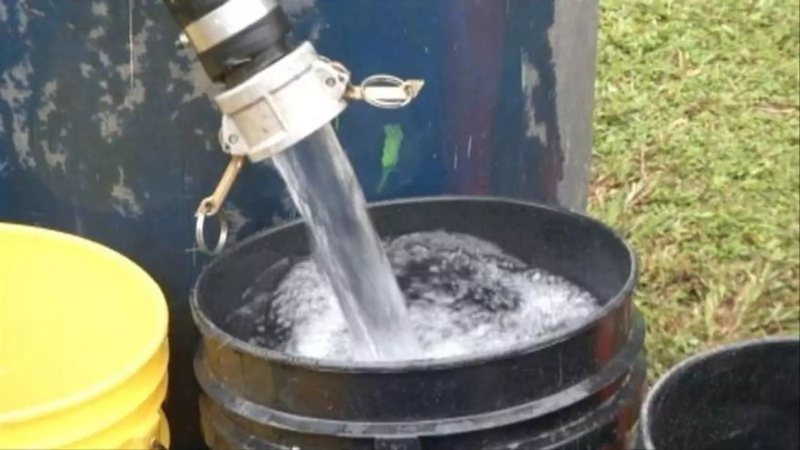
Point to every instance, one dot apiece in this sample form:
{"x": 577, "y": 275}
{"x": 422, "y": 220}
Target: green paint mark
{"x": 391, "y": 152}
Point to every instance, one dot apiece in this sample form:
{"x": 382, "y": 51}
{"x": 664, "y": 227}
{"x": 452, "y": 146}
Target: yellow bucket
{"x": 83, "y": 346}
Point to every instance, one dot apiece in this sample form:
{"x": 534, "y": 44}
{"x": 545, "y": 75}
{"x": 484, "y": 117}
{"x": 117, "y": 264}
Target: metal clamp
{"x": 212, "y": 205}
{"x": 284, "y": 103}
{"x": 199, "y": 230}
{"x": 226, "y": 21}
{"x": 232, "y": 143}
{"x": 280, "y": 106}
{"x": 385, "y": 91}
{"x": 230, "y": 138}
{"x": 381, "y": 91}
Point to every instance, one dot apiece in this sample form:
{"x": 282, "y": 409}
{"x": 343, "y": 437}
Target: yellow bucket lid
{"x": 77, "y": 322}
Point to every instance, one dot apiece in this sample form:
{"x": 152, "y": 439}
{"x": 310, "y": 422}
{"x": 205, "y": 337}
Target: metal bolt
{"x": 330, "y": 82}
{"x": 183, "y": 39}
{"x": 233, "y": 139}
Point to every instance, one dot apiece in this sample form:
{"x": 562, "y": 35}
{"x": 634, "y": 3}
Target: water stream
{"x": 347, "y": 250}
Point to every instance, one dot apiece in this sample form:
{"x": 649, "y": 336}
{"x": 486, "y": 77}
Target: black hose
{"x": 187, "y": 11}
{"x": 243, "y": 54}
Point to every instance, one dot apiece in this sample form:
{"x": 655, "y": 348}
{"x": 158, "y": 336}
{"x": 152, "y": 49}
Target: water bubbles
{"x": 464, "y": 296}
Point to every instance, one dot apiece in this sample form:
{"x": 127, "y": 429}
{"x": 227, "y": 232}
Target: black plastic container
{"x": 741, "y": 397}
{"x": 580, "y": 388}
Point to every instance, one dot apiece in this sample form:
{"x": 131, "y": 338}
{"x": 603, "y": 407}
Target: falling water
{"x": 347, "y": 250}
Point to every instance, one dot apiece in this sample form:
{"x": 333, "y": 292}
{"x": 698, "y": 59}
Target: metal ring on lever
{"x": 199, "y": 234}
{"x": 211, "y": 206}
{"x": 386, "y": 81}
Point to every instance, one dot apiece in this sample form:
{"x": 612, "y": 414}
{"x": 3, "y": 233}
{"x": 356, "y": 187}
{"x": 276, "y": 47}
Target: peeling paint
{"x": 104, "y": 59}
{"x": 113, "y": 112}
{"x": 100, "y": 9}
{"x": 3, "y": 12}
{"x": 107, "y": 99}
{"x": 530, "y": 81}
{"x": 22, "y": 15}
{"x": 110, "y": 125}
{"x": 5, "y": 167}
{"x": 97, "y": 33}
{"x": 56, "y": 158}
{"x": 86, "y": 70}
{"x": 129, "y": 71}
{"x": 15, "y": 90}
{"x": 189, "y": 71}
{"x": 48, "y": 105}
{"x": 135, "y": 96}
{"x": 124, "y": 199}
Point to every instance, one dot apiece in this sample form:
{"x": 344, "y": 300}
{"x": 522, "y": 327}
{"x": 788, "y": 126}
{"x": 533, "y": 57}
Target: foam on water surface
{"x": 464, "y": 296}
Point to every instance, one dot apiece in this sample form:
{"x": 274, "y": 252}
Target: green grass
{"x": 697, "y": 162}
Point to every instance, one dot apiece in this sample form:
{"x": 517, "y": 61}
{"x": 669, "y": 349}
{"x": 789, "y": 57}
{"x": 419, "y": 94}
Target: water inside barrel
{"x": 465, "y": 295}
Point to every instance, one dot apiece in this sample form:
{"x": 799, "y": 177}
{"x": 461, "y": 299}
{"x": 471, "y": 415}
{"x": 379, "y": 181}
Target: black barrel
{"x": 580, "y": 388}
{"x": 740, "y": 397}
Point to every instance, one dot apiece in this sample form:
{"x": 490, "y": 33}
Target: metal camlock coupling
{"x": 282, "y": 105}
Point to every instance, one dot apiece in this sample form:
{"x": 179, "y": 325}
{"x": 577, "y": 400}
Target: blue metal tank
{"x": 107, "y": 129}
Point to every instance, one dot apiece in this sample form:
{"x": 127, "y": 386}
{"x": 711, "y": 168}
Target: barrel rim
{"x": 632, "y": 380}
{"x": 619, "y": 368}
{"x": 693, "y": 361}
{"x": 207, "y": 326}
{"x": 134, "y": 363}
